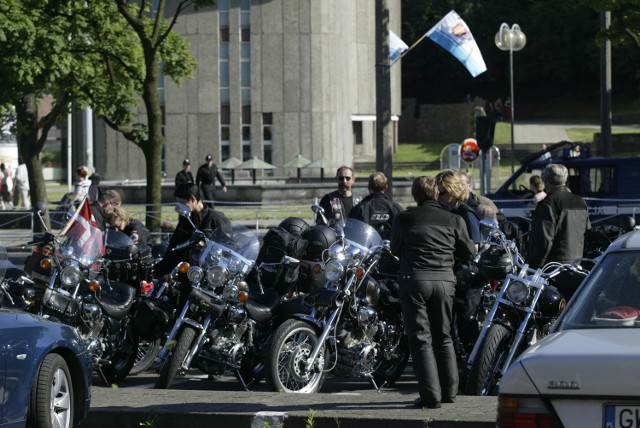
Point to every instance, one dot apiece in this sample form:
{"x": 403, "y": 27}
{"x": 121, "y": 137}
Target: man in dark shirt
{"x": 104, "y": 206}
{"x": 428, "y": 240}
{"x": 377, "y": 209}
{"x": 204, "y": 218}
{"x": 206, "y": 180}
{"x": 339, "y": 203}
{"x": 185, "y": 176}
{"x": 560, "y": 221}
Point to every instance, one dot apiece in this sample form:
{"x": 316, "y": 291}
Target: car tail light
{"x": 525, "y": 412}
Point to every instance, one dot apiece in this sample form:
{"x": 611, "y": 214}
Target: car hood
{"x": 579, "y": 362}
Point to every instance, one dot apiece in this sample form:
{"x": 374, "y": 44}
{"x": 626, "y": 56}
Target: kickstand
{"x": 104, "y": 378}
{"x": 375, "y": 385}
{"x": 239, "y": 376}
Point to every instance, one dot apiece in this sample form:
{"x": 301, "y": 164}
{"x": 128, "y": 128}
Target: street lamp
{"x": 511, "y": 39}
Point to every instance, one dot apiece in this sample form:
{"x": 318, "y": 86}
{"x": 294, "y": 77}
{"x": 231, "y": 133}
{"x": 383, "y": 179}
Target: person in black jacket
{"x": 204, "y": 218}
{"x": 338, "y": 204}
{"x": 377, "y": 209}
{"x": 120, "y": 220}
{"x": 184, "y": 176}
{"x": 428, "y": 239}
{"x": 108, "y": 201}
{"x": 206, "y": 180}
{"x": 560, "y": 221}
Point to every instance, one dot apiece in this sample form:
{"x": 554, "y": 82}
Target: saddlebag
{"x": 60, "y": 303}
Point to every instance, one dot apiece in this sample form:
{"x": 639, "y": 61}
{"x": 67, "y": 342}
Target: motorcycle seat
{"x": 117, "y": 298}
{"x": 263, "y": 307}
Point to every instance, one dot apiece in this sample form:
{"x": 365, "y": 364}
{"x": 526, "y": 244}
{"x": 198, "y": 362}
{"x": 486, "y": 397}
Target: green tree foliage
{"x": 625, "y": 20}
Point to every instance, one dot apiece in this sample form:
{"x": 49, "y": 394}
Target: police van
{"x": 610, "y": 186}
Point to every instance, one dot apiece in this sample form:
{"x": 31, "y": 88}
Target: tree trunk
{"x": 27, "y": 121}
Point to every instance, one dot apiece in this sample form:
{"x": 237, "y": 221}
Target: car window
{"x": 610, "y": 297}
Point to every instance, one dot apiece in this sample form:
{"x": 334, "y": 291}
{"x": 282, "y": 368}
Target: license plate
{"x": 621, "y": 416}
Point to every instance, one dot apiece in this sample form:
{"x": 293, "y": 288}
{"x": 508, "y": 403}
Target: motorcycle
{"x": 72, "y": 286}
{"x": 525, "y": 308}
{"x": 224, "y": 322}
{"x": 353, "y": 322}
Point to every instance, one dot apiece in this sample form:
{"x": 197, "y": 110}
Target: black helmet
{"x": 319, "y": 239}
{"x": 294, "y": 225}
{"x": 495, "y": 263}
{"x": 467, "y": 276}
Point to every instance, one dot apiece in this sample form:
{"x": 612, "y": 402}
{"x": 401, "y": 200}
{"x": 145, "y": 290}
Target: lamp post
{"x": 511, "y": 39}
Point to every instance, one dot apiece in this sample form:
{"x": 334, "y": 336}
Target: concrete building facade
{"x": 276, "y": 78}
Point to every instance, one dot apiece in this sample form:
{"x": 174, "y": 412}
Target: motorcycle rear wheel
{"x": 175, "y": 359}
{"x": 145, "y": 356}
{"x": 291, "y": 345}
{"x": 483, "y": 377}
{"x": 391, "y": 370}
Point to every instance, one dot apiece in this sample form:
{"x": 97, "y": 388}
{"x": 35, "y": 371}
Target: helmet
{"x": 294, "y": 225}
{"x": 320, "y": 238}
{"x": 495, "y": 263}
{"x": 467, "y": 276}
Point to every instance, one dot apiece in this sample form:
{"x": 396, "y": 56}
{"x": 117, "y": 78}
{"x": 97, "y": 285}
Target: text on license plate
{"x": 621, "y": 416}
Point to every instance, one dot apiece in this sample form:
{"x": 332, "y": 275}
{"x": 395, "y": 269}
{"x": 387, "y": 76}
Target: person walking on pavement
{"x": 377, "y": 209}
{"x": 339, "y": 203}
{"x": 559, "y": 223}
{"x": 428, "y": 240}
{"x": 206, "y": 180}
{"x": 6, "y": 193}
{"x": 21, "y": 185}
{"x": 185, "y": 176}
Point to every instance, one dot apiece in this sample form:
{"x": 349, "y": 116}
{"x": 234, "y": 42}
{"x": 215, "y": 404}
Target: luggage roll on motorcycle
{"x": 353, "y": 326}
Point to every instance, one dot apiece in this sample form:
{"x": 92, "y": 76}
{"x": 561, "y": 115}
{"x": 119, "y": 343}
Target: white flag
{"x": 453, "y": 35}
{"x": 396, "y": 46}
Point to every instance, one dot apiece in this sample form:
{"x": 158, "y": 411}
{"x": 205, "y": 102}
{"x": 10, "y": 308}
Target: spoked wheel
{"x": 484, "y": 376}
{"x": 145, "y": 356}
{"x": 52, "y": 401}
{"x": 286, "y": 370}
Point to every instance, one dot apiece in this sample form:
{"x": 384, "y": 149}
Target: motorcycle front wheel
{"x": 174, "y": 361}
{"x": 290, "y": 348}
{"x": 145, "y": 356}
{"x": 484, "y": 375}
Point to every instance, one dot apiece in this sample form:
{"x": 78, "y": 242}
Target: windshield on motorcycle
{"x": 361, "y": 235}
{"x": 82, "y": 241}
{"x": 232, "y": 247}
{"x": 117, "y": 239}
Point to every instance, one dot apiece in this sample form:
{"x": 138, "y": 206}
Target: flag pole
{"x": 73, "y": 218}
{"x": 410, "y": 47}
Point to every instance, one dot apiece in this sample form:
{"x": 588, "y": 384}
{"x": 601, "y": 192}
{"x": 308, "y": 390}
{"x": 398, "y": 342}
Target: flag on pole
{"x": 454, "y": 36}
{"x": 82, "y": 229}
{"x": 396, "y": 46}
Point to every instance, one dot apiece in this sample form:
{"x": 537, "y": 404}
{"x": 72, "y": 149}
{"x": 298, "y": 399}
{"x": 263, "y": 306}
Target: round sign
{"x": 469, "y": 150}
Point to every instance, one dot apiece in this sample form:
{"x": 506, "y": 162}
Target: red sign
{"x": 469, "y": 150}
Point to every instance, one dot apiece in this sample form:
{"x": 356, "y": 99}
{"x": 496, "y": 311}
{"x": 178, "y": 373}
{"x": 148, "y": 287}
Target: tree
{"x": 34, "y": 63}
{"x": 129, "y": 47}
{"x": 625, "y": 20}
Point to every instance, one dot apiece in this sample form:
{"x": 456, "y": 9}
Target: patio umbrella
{"x": 298, "y": 162}
{"x": 231, "y": 163}
{"x": 321, "y": 163}
{"x": 253, "y": 164}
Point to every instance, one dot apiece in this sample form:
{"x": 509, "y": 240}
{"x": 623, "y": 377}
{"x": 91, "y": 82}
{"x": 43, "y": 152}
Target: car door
{"x": 2, "y": 377}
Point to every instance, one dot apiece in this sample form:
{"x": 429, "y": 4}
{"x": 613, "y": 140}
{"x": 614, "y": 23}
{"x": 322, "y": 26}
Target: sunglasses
{"x": 343, "y": 178}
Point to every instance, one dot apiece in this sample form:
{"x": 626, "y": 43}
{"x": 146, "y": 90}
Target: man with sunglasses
{"x": 338, "y": 204}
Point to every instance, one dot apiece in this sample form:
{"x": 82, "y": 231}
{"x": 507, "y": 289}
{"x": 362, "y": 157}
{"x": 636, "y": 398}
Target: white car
{"x": 586, "y": 373}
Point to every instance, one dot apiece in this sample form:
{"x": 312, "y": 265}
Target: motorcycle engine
{"x": 226, "y": 345}
{"x": 92, "y": 318}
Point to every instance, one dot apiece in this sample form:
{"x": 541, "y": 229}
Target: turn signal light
{"x": 45, "y": 263}
{"x": 183, "y": 267}
{"x": 94, "y": 285}
{"x": 359, "y": 272}
{"x": 243, "y": 296}
{"x": 317, "y": 268}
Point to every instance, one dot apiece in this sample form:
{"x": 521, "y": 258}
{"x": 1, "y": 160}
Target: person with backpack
{"x": 377, "y": 209}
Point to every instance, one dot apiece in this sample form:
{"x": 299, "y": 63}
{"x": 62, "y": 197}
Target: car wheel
{"x": 52, "y": 401}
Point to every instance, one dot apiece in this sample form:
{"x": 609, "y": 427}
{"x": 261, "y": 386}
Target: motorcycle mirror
{"x": 182, "y": 209}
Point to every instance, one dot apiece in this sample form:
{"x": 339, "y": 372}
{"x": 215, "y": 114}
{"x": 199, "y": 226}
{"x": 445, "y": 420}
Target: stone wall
{"x": 442, "y": 123}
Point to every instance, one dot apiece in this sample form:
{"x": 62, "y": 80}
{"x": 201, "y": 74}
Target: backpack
{"x": 277, "y": 243}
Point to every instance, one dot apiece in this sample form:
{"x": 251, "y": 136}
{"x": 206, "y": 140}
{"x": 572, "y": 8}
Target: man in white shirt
{"x": 21, "y": 185}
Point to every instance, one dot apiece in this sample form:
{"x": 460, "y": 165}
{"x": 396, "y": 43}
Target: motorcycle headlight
{"x": 195, "y": 274}
{"x": 333, "y": 270}
{"x": 517, "y": 292}
{"x": 71, "y": 276}
{"x": 230, "y": 292}
{"x": 217, "y": 275}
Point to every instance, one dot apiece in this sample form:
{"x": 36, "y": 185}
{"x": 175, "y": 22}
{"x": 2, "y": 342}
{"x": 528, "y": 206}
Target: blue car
{"x": 45, "y": 372}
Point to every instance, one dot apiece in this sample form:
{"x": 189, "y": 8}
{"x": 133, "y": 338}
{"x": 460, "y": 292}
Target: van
{"x": 610, "y": 186}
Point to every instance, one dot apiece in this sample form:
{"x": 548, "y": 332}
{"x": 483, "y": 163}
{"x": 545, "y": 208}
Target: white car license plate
{"x": 621, "y": 416}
